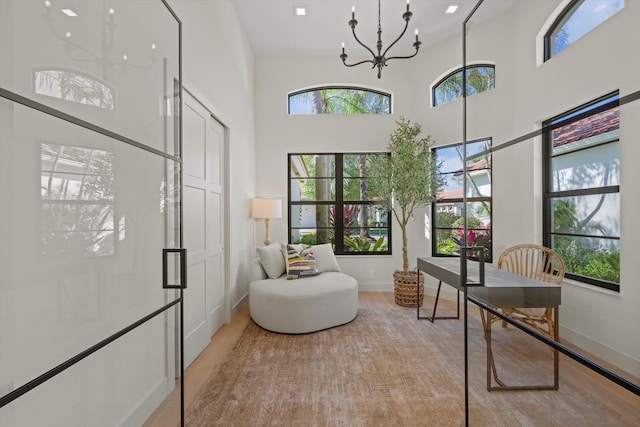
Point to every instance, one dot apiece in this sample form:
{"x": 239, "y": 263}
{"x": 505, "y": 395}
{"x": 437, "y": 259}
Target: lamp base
{"x": 266, "y": 232}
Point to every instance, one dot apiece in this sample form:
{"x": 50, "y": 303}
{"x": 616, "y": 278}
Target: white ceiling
{"x": 274, "y": 30}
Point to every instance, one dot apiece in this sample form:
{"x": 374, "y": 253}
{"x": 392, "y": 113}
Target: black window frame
{"x": 581, "y": 112}
{"x": 453, "y": 73}
{"x": 560, "y": 20}
{"x": 339, "y": 204}
{"x": 434, "y": 207}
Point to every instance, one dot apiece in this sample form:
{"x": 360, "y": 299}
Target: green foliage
{"x": 565, "y": 216}
{"x": 308, "y": 239}
{"x": 479, "y": 79}
{"x": 359, "y": 244}
{"x": 579, "y": 255}
{"x": 472, "y": 222}
{"x": 588, "y": 260}
{"x": 409, "y": 175}
{"x": 447, "y": 246}
{"x": 345, "y": 101}
{"x": 605, "y": 266}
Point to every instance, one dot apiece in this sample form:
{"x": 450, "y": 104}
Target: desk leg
{"x": 435, "y": 306}
{"x": 556, "y": 354}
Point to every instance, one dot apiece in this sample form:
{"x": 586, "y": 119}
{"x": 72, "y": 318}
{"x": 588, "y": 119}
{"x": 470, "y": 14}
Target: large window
{"x": 480, "y": 78}
{"x": 576, "y": 20}
{"x": 339, "y": 100}
{"x": 329, "y": 202}
{"x": 582, "y": 192}
{"x": 448, "y": 227}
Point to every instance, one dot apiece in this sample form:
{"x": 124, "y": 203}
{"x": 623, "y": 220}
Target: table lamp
{"x": 266, "y": 209}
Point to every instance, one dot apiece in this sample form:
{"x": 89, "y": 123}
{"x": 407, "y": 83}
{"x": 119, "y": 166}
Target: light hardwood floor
{"x": 168, "y": 414}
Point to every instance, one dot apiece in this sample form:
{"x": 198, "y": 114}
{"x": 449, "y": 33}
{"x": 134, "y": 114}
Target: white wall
{"x": 525, "y": 95}
{"x": 280, "y": 133}
{"x": 217, "y": 64}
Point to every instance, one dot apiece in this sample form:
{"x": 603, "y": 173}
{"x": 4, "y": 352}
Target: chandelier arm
{"x": 358, "y": 63}
{"x": 353, "y": 30}
{"x": 406, "y": 24}
{"x": 403, "y": 57}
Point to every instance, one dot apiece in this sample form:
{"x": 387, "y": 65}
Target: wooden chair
{"x": 541, "y": 263}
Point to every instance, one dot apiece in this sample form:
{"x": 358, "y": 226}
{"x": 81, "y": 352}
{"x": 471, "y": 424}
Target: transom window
{"x": 582, "y": 192}
{"x": 576, "y": 20}
{"x": 339, "y": 100}
{"x": 329, "y": 202}
{"x": 480, "y": 78}
{"x": 448, "y": 228}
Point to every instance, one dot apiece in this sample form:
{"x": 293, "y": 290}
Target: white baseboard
{"x": 375, "y": 287}
{"x": 616, "y": 358}
{"x": 143, "y": 410}
{"x": 238, "y": 305}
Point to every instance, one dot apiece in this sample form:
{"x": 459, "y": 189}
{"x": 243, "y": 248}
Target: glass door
{"x": 90, "y": 190}
{"x": 561, "y": 347}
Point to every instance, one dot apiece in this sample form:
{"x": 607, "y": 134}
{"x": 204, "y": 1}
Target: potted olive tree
{"x": 406, "y": 180}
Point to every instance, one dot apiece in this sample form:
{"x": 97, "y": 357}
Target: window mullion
{"x": 339, "y": 204}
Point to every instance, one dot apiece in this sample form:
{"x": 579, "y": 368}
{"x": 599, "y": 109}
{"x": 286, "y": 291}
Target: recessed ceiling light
{"x": 452, "y": 8}
{"x": 69, "y": 12}
{"x": 300, "y": 11}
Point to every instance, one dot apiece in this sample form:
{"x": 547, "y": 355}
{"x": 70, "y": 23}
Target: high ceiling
{"x": 274, "y": 30}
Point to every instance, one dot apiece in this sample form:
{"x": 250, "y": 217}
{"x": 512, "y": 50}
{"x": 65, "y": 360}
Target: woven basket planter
{"x": 405, "y": 288}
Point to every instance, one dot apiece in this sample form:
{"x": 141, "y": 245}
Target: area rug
{"x": 386, "y": 368}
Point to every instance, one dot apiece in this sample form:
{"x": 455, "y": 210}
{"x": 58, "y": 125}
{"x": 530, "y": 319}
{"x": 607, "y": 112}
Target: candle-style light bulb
{"x": 408, "y": 5}
{"x": 353, "y": 12}
{"x": 417, "y": 34}
{"x": 342, "y": 47}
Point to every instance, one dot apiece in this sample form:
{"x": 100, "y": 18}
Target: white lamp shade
{"x": 266, "y": 208}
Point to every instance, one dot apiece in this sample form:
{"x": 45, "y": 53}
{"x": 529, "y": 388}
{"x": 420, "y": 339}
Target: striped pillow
{"x": 300, "y": 262}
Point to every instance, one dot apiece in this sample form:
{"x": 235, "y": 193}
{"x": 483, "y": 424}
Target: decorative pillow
{"x": 325, "y": 258}
{"x": 300, "y": 263}
{"x": 272, "y": 260}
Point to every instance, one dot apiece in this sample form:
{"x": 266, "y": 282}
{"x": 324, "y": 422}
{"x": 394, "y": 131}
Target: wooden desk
{"x": 501, "y": 289}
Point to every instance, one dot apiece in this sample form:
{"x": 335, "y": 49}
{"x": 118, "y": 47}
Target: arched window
{"x": 74, "y": 86}
{"x": 577, "y": 19}
{"x": 480, "y": 78}
{"x": 339, "y": 100}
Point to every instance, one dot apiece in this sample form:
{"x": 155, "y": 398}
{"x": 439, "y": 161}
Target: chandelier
{"x": 380, "y": 60}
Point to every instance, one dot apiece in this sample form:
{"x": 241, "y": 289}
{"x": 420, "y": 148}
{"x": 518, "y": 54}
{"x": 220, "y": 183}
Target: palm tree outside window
{"x": 339, "y": 100}
{"x": 480, "y": 78}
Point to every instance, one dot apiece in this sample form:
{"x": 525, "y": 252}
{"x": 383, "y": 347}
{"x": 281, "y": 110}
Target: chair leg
{"x": 552, "y": 326}
{"x": 492, "y": 373}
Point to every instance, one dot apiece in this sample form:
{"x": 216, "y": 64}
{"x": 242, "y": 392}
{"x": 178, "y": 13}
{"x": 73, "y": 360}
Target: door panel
{"x": 203, "y": 226}
{"x": 194, "y": 214}
{"x": 194, "y": 128}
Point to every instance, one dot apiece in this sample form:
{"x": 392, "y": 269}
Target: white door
{"x": 203, "y": 225}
